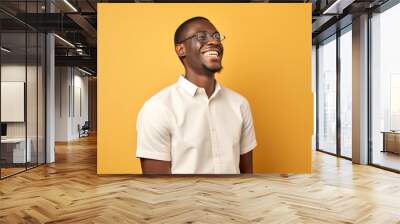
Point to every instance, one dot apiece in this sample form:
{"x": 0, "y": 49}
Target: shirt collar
{"x": 191, "y": 88}
{"x": 187, "y": 85}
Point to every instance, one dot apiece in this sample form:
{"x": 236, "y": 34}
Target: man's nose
{"x": 212, "y": 40}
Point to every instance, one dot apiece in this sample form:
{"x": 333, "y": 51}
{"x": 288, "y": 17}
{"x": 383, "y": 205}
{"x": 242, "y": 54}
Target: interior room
{"x": 49, "y": 170}
{"x": 22, "y": 101}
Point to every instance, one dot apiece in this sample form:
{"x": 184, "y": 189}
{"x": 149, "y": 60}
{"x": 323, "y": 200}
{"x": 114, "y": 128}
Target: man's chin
{"x": 213, "y": 69}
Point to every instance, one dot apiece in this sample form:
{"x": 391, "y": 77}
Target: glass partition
{"x": 22, "y": 77}
{"x": 327, "y": 95}
{"x": 385, "y": 89}
{"x": 346, "y": 93}
{"x": 41, "y": 91}
{"x": 14, "y": 153}
{"x": 32, "y": 95}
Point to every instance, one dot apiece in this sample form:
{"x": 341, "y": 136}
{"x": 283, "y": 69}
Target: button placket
{"x": 213, "y": 134}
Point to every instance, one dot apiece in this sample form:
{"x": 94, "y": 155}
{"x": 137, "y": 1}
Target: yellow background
{"x": 267, "y": 59}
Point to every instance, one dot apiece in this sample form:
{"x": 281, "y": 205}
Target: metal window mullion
{"x": 69, "y": 92}
{"x": 317, "y": 96}
{"x": 45, "y": 94}
{"x": 26, "y": 87}
{"x": 369, "y": 89}
{"x": 45, "y": 86}
{"x": 338, "y": 91}
{"x": 37, "y": 91}
{"x": 73, "y": 92}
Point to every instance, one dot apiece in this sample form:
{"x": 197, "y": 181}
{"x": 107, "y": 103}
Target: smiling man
{"x": 196, "y": 126}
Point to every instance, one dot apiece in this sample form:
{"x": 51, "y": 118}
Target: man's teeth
{"x": 212, "y": 53}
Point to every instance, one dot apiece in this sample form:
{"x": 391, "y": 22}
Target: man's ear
{"x": 180, "y": 50}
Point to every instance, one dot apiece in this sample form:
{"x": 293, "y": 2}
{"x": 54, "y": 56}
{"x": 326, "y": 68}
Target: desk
{"x": 15, "y": 148}
{"x": 391, "y": 141}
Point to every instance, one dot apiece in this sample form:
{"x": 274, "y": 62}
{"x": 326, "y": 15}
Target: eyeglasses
{"x": 203, "y": 37}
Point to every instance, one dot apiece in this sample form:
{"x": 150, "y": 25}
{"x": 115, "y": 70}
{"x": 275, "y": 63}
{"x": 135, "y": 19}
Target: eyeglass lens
{"x": 204, "y": 36}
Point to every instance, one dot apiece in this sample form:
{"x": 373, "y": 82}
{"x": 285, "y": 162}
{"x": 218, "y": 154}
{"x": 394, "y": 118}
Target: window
{"x": 327, "y": 95}
{"x": 22, "y": 78}
{"x": 385, "y": 88}
{"x": 346, "y": 93}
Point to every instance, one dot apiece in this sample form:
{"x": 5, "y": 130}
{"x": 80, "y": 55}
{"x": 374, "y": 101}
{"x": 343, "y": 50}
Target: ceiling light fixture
{"x": 80, "y": 51}
{"x": 84, "y": 71}
{"x": 64, "y": 40}
{"x": 70, "y": 5}
{"x": 5, "y": 50}
{"x": 337, "y": 7}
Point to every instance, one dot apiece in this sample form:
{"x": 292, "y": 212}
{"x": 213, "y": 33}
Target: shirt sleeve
{"x": 153, "y": 133}
{"x": 248, "y": 138}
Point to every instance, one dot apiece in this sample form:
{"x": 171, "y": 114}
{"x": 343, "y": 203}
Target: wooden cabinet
{"x": 391, "y": 142}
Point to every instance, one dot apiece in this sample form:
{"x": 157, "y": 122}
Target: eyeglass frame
{"x": 222, "y": 37}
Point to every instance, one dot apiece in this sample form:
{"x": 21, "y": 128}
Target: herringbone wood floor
{"x": 69, "y": 191}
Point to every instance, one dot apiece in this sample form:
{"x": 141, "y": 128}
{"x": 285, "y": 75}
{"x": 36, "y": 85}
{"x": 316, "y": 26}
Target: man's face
{"x": 207, "y": 56}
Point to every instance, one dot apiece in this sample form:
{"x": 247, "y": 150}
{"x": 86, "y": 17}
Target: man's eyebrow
{"x": 206, "y": 31}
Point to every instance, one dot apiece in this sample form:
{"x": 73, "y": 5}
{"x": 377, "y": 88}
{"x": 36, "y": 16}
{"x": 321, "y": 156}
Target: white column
{"x": 63, "y": 100}
{"x": 360, "y": 90}
{"x": 50, "y": 100}
{"x": 50, "y": 92}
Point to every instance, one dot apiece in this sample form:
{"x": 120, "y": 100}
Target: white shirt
{"x": 199, "y": 135}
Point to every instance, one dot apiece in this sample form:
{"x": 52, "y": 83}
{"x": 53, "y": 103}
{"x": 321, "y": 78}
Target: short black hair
{"x": 180, "y": 30}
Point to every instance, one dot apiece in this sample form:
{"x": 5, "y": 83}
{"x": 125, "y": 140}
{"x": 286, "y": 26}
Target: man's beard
{"x": 211, "y": 70}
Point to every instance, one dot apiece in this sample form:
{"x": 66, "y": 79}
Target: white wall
{"x": 62, "y": 81}
{"x": 33, "y": 127}
{"x": 16, "y": 73}
{"x": 81, "y": 103}
{"x": 71, "y": 102}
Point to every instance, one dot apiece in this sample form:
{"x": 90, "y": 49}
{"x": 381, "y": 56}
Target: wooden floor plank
{"x": 70, "y": 191}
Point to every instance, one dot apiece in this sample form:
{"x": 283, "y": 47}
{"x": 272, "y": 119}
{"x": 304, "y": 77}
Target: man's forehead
{"x": 200, "y": 25}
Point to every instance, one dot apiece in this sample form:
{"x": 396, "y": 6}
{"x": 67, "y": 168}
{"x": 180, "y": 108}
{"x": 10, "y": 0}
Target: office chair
{"x": 84, "y": 130}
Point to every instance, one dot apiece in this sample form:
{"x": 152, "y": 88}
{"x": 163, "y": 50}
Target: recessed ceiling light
{"x": 64, "y": 40}
{"x": 84, "y": 71}
{"x": 5, "y": 50}
{"x": 70, "y": 5}
{"x": 337, "y": 7}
